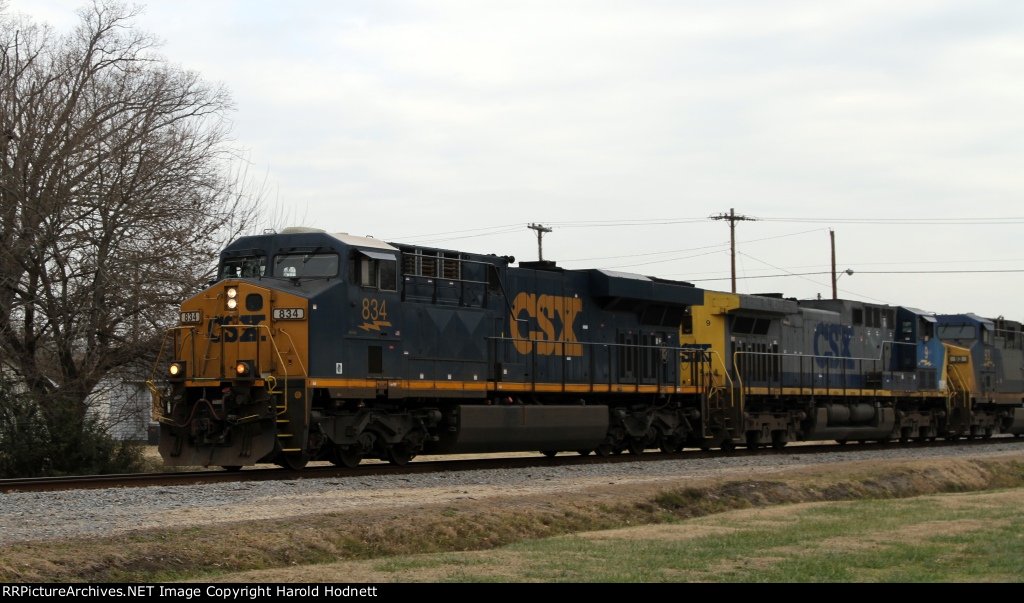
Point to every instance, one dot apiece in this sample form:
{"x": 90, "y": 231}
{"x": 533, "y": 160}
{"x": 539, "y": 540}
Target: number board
{"x": 289, "y": 313}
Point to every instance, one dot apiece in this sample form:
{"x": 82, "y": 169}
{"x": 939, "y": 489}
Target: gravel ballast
{"x": 34, "y": 516}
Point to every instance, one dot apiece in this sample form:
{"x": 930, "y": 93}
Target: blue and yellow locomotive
{"x": 329, "y": 346}
{"x": 312, "y": 345}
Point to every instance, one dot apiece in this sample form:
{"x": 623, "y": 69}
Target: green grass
{"x": 903, "y": 540}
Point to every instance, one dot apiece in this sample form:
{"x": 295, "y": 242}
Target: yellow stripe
{"x": 442, "y": 385}
{"x": 840, "y": 392}
{"x": 502, "y": 386}
{"x": 363, "y": 383}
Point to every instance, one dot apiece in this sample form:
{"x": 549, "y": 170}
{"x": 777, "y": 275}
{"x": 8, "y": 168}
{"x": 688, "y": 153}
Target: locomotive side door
{"x": 376, "y": 311}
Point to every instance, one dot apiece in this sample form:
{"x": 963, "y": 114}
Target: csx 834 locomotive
{"x": 313, "y": 345}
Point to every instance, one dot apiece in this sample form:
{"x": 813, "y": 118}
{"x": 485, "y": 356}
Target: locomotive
{"x": 320, "y": 346}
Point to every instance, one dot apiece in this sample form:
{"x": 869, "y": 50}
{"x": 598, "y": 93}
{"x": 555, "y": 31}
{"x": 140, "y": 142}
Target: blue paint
{"x": 832, "y": 340}
{"x": 931, "y": 353}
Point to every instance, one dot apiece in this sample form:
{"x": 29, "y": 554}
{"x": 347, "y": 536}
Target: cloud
{"x": 399, "y": 118}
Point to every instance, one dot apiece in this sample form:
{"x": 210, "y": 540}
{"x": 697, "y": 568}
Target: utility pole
{"x": 733, "y": 219}
{"x": 835, "y": 289}
{"x": 541, "y": 229}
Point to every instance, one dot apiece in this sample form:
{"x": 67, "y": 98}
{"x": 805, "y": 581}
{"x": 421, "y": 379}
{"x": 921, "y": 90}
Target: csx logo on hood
{"x": 546, "y": 320}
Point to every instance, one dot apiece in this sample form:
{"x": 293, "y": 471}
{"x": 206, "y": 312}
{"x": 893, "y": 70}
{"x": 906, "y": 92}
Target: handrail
{"x": 163, "y": 341}
{"x": 562, "y": 343}
{"x": 158, "y": 411}
{"x": 739, "y": 379}
{"x": 830, "y": 359}
{"x": 959, "y": 385}
{"x": 725, "y": 369}
{"x": 281, "y": 363}
{"x": 290, "y": 340}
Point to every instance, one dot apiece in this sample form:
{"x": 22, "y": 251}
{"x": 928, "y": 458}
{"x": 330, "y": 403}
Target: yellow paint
{"x": 544, "y": 308}
{"x": 838, "y": 392}
{"x": 958, "y": 376}
{"x": 374, "y": 314}
{"x": 710, "y": 321}
{"x": 440, "y": 386}
{"x": 279, "y": 348}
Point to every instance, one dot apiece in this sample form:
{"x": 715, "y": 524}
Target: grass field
{"x": 971, "y": 537}
{"x": 925, "y": 520}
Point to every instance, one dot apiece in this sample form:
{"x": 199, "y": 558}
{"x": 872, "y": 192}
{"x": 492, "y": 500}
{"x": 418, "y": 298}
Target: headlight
{"x": 243, "y": 369}
{"x": 232, "y": 295}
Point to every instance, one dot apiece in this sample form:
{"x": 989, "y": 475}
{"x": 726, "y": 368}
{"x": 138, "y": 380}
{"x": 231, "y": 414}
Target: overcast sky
{"x": 457, "y": 123}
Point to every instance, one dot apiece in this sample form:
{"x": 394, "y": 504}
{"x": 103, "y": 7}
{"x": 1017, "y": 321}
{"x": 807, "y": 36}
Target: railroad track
{"x": 184, "y": 478}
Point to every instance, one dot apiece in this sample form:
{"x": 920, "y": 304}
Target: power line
{"x": 903, "y": 221}
{"x": 648, "y": 254}
{"x": 437, "y": 234}
{"x": 507, "y": 228}
{"x": 784, "y": 274}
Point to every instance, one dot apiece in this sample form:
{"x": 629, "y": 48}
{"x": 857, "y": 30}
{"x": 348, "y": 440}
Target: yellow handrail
{"x": 271, "y": 379}
{"x": 286, "y": 334}
{"x": 725, "y": 373}
{"x": 959, "y": 387}
{"x": 282, "y": 365}
{"x": 157, "y": 410}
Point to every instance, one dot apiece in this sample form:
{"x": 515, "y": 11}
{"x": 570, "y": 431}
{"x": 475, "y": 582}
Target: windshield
{"x": 957, "y": 332}
{"x": 300, "y": 265}
{"x": 244, "y": 267}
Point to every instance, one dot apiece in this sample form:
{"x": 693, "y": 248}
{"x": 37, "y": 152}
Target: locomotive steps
{"x": 203, "y": 552}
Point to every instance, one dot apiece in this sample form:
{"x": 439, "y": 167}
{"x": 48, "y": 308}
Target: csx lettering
{"x": 832, "y": 340}
{"x": 219, "y": 328}
{"x": 553, "y": 316}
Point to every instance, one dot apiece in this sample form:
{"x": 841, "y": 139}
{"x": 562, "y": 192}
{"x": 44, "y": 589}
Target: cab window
{"x": 244, "y": 267}
{"x": 376, "y": 270}
{"x": 306, "y": 265}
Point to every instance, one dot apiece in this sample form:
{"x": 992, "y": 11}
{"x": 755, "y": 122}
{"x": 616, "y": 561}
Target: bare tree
{"x": 117, "y": 188}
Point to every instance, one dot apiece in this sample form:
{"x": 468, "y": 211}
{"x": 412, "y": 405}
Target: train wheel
{"x": 549, "y": 453}
{"x": 583, "y": 452}
{"x": 400, "y": 455}
{"x": 231, "y": 468}
{"x": 293, "y": 461}
{"x": 346, "y": 456}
